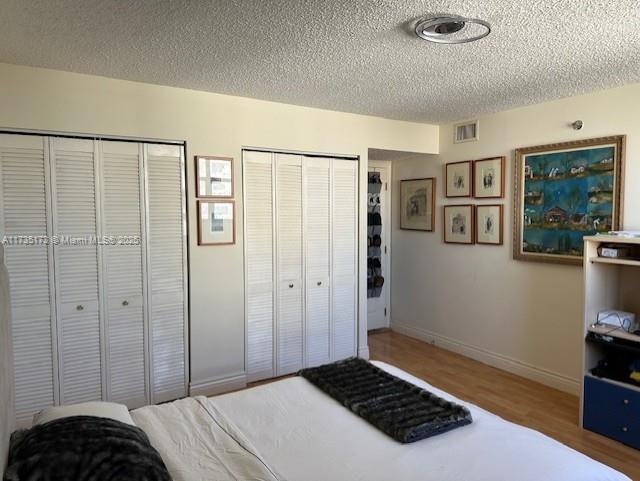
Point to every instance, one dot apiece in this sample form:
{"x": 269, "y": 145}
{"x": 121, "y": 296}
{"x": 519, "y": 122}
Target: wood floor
{"x": 511, "y": 397}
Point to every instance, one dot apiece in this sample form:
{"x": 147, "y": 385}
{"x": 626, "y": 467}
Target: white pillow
{"x": 119, "y": 412}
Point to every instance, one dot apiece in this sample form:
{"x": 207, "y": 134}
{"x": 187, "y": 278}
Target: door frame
{"x": 387, "y": 166}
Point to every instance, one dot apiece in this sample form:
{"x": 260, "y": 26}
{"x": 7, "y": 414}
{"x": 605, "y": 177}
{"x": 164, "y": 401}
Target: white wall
{"x": 211, "y": 124}
{"x": 7, "y": 417}
{"x": 525, "y": 317}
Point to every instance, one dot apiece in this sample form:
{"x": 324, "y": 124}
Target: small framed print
{"x": 216, "y": 222}
{"x": 417, "y": 201}
{"x": 488, "y": 178}
{"x": 489, "y": 224}
{"x": 459, "y": 224}
{"x": 214, "y": 176}
{"x": 459, "y": 179}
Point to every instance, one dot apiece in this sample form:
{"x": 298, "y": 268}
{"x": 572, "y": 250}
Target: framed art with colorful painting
{"x": 564, "y": 192}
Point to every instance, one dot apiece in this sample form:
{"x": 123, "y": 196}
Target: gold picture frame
{"x": 563, "y": 192}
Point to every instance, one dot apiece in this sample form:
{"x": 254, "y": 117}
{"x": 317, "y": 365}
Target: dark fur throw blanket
{"x": 405, "y": 412}
{"x": 84, "y": 448}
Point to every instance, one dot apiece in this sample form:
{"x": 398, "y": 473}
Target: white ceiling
{"x": 349, "y": 55}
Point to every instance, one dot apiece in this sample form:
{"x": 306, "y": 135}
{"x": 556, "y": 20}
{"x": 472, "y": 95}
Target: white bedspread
{"x": 194, "y": 447}
{"x": 300, "y": 434}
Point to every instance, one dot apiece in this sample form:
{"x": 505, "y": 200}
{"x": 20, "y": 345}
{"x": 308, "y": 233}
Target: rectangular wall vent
{"x": 466, "y": 132}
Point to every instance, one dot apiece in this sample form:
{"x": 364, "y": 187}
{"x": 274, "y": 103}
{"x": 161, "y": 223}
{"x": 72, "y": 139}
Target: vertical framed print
{"x": 216, "y": 222}
{"x": 488, "y": 178}
{"x": 214, "y": 176}
{"x": 417, "y": 204}
{"x": 564, "y": 192}
{"x": 459, "y": 179}
{"x": 489, "y": 224}
{"x": 459, "y": 224}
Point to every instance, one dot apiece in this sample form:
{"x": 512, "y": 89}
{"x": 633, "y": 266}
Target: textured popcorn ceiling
{"x": 350, "y": 55}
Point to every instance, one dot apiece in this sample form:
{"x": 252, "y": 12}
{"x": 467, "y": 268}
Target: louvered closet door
{"x": 317, "y": 205}
{"x": 76, "y": 268}
{"x": 166, "y": 254}
{"x": 123, "y": 272}
{"x": 345, "y": 257}
{"x": 258, "y": 207}
{"x": 24, "y": 211}
{"x": 289, "y": 322}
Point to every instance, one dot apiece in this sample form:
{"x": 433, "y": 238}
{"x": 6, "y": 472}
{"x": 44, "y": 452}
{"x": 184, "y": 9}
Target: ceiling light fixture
{"x": 452, "y": 29}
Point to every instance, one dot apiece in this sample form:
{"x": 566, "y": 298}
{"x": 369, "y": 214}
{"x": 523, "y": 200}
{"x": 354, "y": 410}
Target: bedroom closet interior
{"x": 301, "y": 258}
{"x": 94, "y": 234}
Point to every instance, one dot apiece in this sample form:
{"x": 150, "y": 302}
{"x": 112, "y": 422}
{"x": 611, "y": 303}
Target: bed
{"x": 290, "y": 430}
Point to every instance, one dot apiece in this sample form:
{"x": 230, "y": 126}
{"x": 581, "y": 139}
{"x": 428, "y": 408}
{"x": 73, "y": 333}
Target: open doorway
{"x": 379, "y": 245}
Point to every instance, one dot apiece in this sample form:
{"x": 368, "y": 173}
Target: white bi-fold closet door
{"x": 300, "y": 261}
{"x": 75, "y": 207}
{"x": 289, "y": 264}
{"x": 94, "y": 234}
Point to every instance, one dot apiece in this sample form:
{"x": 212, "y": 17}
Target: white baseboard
{"x": 541, "y": 375}
{"x": 211, "y": 387}
{"x": 363, "y": 352}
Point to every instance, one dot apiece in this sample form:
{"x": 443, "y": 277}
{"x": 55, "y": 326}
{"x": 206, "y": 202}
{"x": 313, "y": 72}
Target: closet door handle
{"x": 290, "y": 286}
{"x": 125, "y": 303}
{"x": 625, "y": 429}
{"x": 319, "y": 283}
{"x": 79, "y": 307}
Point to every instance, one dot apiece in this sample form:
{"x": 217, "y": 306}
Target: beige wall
{"x": 522, "y": 316}
{"x": 212, "y": 125}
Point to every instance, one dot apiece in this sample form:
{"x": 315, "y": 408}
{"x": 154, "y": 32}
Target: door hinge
{"x": 385, "y": 312}
{"x": 385, "y": 186}
{"x": 385, "y": 249}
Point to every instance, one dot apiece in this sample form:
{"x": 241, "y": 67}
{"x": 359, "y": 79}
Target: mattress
{"x": 291, "y": 431}
{"x": 195, "y": 447}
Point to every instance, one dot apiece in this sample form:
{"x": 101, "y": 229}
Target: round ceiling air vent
{"x": 452, "y": 29}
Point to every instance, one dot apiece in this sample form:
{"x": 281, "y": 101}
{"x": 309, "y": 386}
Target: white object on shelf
{"x": 611, "y": 317}
{"x": 624, "y": 233}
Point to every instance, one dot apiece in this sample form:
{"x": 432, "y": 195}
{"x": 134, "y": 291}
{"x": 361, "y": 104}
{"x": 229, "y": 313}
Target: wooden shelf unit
{"x": 607, "y": 406}
{"x": 605, "y": 330}
{"x": 620, "y": 262}
{"x": 613, "y": 382}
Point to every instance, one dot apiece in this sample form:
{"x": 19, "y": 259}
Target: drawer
{"x": 612, "y": 410}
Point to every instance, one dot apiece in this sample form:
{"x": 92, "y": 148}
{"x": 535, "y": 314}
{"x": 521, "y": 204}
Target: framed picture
{"x": 216, "y": 222}
{"x": 489, "y": 224}
{"x": 564, "y": 192}
{"x": 417, "y": 204}
{"x": 459, "y": 179}
{"x": 214, "y": 176}
{"x": 488, "y": 178}
{"x": 459, "y": 224}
